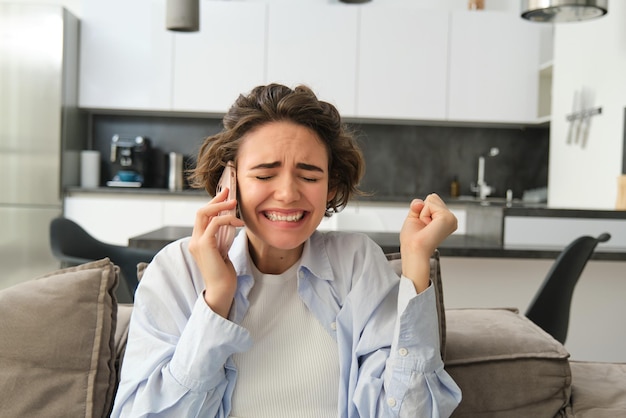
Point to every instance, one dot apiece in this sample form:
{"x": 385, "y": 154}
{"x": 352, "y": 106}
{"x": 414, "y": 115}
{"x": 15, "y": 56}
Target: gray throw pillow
{"x": 57, "y": 343}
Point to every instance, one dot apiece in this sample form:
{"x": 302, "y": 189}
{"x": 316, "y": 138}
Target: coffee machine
{"x": 130, "y": 161}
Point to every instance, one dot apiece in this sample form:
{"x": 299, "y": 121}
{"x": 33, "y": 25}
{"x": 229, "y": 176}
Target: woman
{"x": 293, "y": 322}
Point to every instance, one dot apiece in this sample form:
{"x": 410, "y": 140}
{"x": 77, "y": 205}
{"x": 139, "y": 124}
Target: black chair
{"x": 550, "y": 308}
{"x": 72, "y": 245}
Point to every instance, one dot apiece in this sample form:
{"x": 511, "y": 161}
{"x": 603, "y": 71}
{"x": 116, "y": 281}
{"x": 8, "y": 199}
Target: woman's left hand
{"x": 428, "y": 223}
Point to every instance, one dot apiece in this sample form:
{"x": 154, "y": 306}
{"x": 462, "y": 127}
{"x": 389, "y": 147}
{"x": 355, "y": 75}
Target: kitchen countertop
{"x": 564, "y": 213}
{"x": 517, "y": 208}
{"x": 146, "y": 191}
{"x": 476, "y": 246}
{"x": 474, "y": 242}
{"x": 453, "y": 246}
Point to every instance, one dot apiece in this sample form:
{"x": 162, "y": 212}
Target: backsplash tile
{"x": 402, "y": 161}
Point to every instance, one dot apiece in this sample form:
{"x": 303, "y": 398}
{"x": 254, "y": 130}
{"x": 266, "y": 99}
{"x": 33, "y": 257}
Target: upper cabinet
{"x": 403, "y": 57}
{"x": 316, "y": 45}
{"x": 373, "y": 61}
{"x": 224, "y": 59}
{"x": 125, "y": 55}
{"x": 493, "y": 68}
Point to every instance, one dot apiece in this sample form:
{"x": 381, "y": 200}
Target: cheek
{"x": 249, "y": 194}
{"x": 322, "y": 195}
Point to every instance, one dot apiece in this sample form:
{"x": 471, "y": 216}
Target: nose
{"x": 287, "y": 190}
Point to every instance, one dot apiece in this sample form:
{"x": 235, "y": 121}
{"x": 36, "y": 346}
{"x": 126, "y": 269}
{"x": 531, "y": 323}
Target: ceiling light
{"x": 556, "y": 11}
{"x": 182, "y": 15}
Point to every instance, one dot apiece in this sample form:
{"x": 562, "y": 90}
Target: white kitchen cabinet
{"x": 403, "y": 59}
{"x": 315, "y": 45}
{"x": 125, "y": 55}
{"x": 114, "y": 220}
{"x": 224, "y": 59}
{"x": 531, "y": 230}
{"x": 178, "y": 211}
{"x": 493, "y": 68}
{"x": 373, "y": 61}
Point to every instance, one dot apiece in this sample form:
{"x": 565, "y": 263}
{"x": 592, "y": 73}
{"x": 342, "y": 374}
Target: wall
{"x": 589, "y": 55}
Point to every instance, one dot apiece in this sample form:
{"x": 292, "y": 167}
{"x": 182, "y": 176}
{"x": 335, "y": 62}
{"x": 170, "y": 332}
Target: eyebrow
{"x": 301, "y": 166}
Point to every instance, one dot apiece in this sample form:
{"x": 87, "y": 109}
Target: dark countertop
{"x": 453, "y": 246}
{"x": 475, "y": 246}
{"x": 147, "y": 191}
{"x": 565, "y": 213}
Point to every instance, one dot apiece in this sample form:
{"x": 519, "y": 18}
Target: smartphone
{"x": 226, "y": 233}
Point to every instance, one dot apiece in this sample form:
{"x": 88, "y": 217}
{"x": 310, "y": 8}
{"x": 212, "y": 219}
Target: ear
{"x": 331, "y": 194}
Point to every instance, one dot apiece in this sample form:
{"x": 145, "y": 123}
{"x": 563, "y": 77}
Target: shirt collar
{"x": 314, "y": 256}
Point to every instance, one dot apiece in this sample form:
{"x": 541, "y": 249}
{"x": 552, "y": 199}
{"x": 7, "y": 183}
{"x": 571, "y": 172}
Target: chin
{"x": 286, "y": 243}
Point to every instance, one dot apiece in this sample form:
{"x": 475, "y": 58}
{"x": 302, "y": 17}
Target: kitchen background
{"x": 579, "y": 178}
{"x": 402, "y": 161}
{"x": 136, "y": 78}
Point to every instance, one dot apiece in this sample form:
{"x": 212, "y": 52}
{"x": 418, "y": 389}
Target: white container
{"x": 89, "y": 169}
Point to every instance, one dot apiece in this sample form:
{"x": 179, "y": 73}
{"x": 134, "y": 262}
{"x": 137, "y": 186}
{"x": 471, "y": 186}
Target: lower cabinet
{"x": 114, "y": 219}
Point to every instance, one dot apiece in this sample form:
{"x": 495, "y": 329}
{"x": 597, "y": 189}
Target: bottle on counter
{"x": 455, "y": 187}
{"x": 175, "y": 176}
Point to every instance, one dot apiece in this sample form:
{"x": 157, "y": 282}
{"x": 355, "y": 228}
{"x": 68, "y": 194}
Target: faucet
{"x": 481, "y": 188}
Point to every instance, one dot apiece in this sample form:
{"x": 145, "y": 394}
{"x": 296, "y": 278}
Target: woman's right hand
{"x": 220, "y": 279}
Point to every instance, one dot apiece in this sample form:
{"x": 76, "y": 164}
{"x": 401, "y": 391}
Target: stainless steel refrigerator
{"x": 39, "y": 123}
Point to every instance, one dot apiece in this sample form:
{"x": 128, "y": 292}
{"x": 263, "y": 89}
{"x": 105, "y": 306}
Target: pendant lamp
{"x": 182, "y": 15}
{"x": 556, "y": 11}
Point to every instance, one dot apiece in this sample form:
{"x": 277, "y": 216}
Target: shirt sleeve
{"x": 177, "y": 360}
{"x": 416, "y": 382}
{"x": 400, "y": 370}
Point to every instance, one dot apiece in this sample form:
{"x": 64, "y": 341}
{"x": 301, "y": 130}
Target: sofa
{"x": 62, "y": 340}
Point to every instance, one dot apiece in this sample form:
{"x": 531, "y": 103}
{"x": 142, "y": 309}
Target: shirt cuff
{"x": 207, "y": 341}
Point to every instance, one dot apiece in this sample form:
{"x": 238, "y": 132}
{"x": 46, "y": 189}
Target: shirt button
{"x": 333, "y": 326}
{"x": 403, "y": 352}
{"x": 391, "y": 402}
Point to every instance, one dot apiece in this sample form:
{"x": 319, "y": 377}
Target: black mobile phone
{"x": 226, "y": 233}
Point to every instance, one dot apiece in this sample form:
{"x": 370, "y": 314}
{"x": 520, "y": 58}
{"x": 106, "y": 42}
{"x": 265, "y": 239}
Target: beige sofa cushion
{"x": 598, "y": 389}
{"x": 57, "y": 343}
{"x": 505, "y": 365}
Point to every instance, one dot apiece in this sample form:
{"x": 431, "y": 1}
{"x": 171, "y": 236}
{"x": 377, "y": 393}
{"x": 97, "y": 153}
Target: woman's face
{"x": 282, "y": 175}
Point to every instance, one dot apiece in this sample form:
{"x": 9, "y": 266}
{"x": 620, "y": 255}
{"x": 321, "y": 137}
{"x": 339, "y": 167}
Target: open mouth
{"x": 284, "y": 217}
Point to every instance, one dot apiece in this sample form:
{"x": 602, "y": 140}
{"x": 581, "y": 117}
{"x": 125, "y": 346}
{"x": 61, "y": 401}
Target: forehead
{"x": 280, "y": 141}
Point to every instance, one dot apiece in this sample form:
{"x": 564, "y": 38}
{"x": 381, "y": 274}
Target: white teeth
{"x": 273, "y": 216}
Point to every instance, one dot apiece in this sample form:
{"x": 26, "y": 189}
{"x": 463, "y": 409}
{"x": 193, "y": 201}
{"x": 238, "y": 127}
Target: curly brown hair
{"x": 274, "y": 103}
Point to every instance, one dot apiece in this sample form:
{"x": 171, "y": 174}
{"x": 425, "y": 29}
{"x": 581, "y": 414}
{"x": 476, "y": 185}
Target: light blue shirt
{"x": 178, "y": 360}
